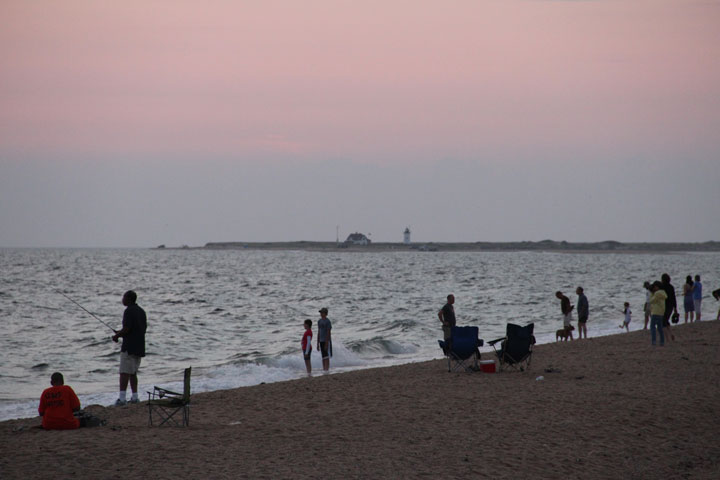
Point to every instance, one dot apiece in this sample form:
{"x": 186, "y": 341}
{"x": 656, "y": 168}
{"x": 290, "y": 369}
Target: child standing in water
{"x": 628, "y": 315}
{"x": 307, "y": 345}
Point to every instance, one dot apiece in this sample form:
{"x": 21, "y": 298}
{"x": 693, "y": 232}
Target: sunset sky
{"x": 139, "y": 123}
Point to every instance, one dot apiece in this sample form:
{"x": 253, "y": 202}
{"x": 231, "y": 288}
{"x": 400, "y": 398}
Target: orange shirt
{"x": 56, "y": 407}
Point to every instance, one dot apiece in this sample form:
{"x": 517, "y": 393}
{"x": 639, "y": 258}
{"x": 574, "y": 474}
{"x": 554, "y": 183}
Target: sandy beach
{"x": 608, "y": 407}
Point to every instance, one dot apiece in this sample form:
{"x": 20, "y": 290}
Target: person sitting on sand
{"x": 57, "y": 405}
{"x": 307, "y": 345}
{"x": 628, "y": 317}
{"x": 566, "y": 310}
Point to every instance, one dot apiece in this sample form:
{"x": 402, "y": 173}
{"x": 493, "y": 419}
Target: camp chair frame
{"x": 166, "y": 404}
{"x": 515, "y": 347}
{"x": 462, "y": 354}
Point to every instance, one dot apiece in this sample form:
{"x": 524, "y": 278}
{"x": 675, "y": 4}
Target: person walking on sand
{"x": 697, "y": 298}
{"x": 716, "y": 296}
{"x": 657, "y": 312}
{"x": 324, "y": 341}
{"x": 447, "y": 318}
{"x": 583, "y": 311}
{"x": 306, "y": 345}
{"x": 688, "y": 303}
{"x": 566, "y": 310}
{"x": 57, "y": 405}
{"x": 628, "y": 317}
{"x": 670, "y": 304}
{"x": 134, "y": 325}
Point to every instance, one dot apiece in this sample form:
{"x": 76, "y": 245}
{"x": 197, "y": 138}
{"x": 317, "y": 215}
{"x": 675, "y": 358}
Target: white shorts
{"x": 129, "y": 363}
{"x": 698, "y": 303}
{"x": 567, "y": 319}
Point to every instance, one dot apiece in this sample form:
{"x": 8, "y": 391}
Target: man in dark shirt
{"x": 670, "y": 304}
{"x": 133, "y": 346}
{"x": 447, "y": 316}
{"x": 583, "y": 311}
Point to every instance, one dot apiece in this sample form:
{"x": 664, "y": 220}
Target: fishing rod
{"x": 88, "y": 311}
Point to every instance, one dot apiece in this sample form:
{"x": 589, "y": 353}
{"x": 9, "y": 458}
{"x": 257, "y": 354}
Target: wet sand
{"x": 608, "y": 407}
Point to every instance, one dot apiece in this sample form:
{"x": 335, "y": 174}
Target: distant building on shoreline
{"x": 406, "y": 236}
{"x": 357, "y": 239}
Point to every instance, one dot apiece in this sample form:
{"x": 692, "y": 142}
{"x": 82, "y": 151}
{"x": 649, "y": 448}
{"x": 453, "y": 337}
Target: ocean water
{"x": 236, "y": 316}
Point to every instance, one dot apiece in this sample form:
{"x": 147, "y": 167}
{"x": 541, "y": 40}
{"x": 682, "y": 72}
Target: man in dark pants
{"x": 670, "y": 304}
{"x": 583, "y": 311}
{"x": 133, "y": 346}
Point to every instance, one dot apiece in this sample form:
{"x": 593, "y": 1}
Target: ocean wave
{"x": 380, "y": 346}
{"x": 402, "y": 325}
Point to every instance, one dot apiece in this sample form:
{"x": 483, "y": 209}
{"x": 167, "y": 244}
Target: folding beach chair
{"x": 462, "y": 352}
{"x": 515, "y": 347}
{"x": 166, "y": 403}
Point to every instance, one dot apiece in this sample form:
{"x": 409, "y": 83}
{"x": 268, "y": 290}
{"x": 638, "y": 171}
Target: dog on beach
{"x": 564, "y": 333}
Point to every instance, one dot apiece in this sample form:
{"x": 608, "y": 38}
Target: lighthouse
{"x": 406, "y": 236}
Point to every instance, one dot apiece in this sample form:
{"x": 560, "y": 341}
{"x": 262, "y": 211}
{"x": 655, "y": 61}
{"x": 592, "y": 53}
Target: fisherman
{"x": 133, "y": 346}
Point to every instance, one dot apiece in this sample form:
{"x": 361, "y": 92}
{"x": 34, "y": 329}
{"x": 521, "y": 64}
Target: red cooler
{"x": 487, "y": 366}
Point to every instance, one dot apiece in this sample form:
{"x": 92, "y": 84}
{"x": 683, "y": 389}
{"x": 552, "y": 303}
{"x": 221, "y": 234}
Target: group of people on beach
{"x": 566, "y": 309}
{"x": 660, "y": 309}
{"x": 59, "y": 405}
{"x": 660, "y": 306}
{"x": 324, "y": 341}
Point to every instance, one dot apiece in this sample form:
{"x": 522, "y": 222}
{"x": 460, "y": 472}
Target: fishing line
{"x": 88, "y": 311}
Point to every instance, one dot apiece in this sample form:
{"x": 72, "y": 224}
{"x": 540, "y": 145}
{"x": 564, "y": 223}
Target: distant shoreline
{"x": 542, "y": 246}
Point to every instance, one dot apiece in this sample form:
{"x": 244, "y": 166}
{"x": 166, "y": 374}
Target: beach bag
{"x": 89, "y": 420}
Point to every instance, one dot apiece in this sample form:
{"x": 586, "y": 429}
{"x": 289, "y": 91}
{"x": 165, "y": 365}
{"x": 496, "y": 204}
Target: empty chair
{"x": 515, "y": 347}
{"x": 462, "y": 349}
{"x": 165, "y": 403}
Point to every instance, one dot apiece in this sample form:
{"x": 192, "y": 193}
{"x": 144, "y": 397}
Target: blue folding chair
{"x": 462, "y": 350}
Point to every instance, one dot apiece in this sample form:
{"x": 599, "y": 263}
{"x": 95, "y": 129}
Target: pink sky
{"x": 586, "y": 106}
{"x": 402, "y": 79}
